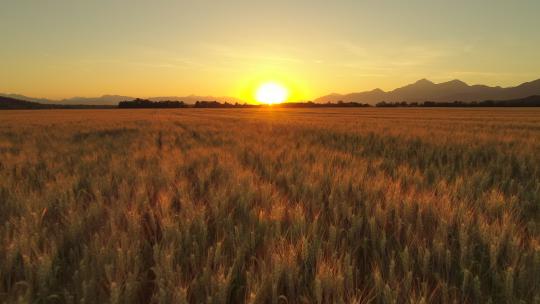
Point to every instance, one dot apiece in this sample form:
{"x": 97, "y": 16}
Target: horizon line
{"x": 241, "y": 99}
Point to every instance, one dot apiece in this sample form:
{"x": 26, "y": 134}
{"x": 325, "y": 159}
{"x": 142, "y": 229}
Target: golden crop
{"x": 270, "y": 206}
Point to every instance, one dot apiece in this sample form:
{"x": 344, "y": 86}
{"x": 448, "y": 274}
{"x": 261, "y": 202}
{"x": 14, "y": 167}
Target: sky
{"x": 64, "y": 48}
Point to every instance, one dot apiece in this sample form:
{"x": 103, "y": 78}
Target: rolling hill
{"x": 12, "y": 103}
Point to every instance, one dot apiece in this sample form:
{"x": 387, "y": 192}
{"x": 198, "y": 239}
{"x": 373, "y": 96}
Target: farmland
{"x": 270, "y": 206}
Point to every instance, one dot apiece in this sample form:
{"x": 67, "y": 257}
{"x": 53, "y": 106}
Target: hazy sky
{"x": 67, "y": 48}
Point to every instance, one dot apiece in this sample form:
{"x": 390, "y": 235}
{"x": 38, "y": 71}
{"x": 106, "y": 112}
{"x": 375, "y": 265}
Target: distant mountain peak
{"x": 456, "y": 82}
{"x": 423, "y": 81}
{"x": 530, "y": 83}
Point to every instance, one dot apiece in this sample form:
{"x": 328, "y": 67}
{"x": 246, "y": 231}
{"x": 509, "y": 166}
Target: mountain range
{"x": 420, "y": 91}
{"x": 425, "y": 90}
{"x": 110, "y": 100}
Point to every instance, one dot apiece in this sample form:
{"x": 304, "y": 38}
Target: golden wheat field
{"x": 270, "y": 206}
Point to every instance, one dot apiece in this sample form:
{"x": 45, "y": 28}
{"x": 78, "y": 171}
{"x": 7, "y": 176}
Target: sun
{"x": 271, "y": 93}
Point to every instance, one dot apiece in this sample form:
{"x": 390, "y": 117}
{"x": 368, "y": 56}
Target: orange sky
{"x": 59, "y": 49}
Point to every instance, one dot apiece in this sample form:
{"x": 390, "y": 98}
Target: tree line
{"x": 532, "y": 101}
{"x": 11, "y": 103}
{"x": 145, "y": 103}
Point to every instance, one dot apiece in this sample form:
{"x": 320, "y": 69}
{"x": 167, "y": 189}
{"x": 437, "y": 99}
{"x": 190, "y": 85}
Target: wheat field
{"x": 270, "y": 206}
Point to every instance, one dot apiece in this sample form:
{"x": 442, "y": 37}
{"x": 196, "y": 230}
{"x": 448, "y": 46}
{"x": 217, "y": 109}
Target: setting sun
{"x": 271, "y": 93}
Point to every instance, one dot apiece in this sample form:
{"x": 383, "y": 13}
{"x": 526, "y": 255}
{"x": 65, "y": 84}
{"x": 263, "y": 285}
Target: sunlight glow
{"x": 271, "y": 93}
